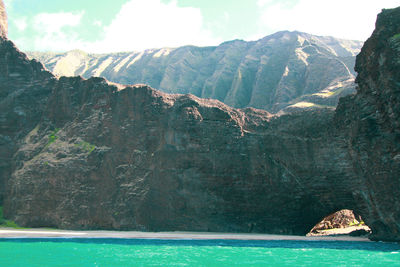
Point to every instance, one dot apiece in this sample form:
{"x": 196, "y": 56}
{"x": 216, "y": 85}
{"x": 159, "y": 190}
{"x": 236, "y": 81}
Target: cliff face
{"x": 95, "y": 156}
{"x": 24, "y": 90}
{"x": 104, "y": 157}
{"x": 139, "y": 159}
{"x": 371, "y": 120}
{"x": 276, "y": 72}
{"x": 85, "y": 154}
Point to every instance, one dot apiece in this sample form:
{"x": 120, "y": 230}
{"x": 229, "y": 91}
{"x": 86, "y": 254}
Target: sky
{"x": 103, "y": 26}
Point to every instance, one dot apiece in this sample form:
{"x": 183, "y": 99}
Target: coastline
{"x": 340, "y": 231}
{"x": 45, "y": 233}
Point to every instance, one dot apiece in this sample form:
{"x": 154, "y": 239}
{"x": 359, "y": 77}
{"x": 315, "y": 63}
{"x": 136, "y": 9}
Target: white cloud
{"x": 97, "y": 23}
{"x": 139, "y": 25}
{"x": 152, "y": 24}
{"x": 350, "y": 19}
{"x": 226, "y": 17}
{"x": 54, "y": 31}
{"x": 54, "y": 22}
{"x": 20, "y": 23}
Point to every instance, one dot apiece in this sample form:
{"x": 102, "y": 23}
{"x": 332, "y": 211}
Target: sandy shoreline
{"x": 341, "y": 231}
{"x": 44, "y": 233}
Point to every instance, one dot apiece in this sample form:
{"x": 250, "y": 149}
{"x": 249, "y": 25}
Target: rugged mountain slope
{"x": 90, "y": 155}
{"x": 280, "y": 70}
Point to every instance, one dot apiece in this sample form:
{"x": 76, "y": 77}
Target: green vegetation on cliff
{"x": 86, "y": 146}
{"x": 396, "y": 36}
{"x": 6, "y": 223}
{"x": 52, "y": 137}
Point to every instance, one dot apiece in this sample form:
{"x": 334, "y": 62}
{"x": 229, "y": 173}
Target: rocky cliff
{"x": 372, "y": 124}
{"x": 98, "y": 156}
{"x": 3, "y": 20}
{"x": 87, "y": 154}
{"x": 286, "y": 69}
{"x": 24, "y": 90}
{"x": 103, "y": 158}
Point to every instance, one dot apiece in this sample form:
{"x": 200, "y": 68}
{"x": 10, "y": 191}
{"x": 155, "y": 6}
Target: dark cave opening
{"x": 342, "y": 222}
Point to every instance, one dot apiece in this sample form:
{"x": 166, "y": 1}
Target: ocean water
{"x": 133, "y": 252}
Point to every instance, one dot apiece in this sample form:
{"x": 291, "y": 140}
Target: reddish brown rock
{"x": 340, "y": 219}
{"x": 3, "y": 20}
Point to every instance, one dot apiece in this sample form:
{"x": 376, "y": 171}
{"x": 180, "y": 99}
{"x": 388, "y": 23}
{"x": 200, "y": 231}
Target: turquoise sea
{"x": 135, "y": 252}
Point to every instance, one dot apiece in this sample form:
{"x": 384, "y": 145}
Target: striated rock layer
{"x": 371, "y": 121}
{"x": 96, "y": 156}
{"x": 285, "y": 70}
{"x": 86, "y": 154}
{"x": 24, "y": 89}
{"x": 140, "y": 159}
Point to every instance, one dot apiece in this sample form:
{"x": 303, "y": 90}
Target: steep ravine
{"x": 285, "y": 70}
{"x": 84, "y": 154}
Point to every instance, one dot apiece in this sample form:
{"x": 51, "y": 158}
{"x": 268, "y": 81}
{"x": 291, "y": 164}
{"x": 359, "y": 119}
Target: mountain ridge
{"x": 273, "y": 73}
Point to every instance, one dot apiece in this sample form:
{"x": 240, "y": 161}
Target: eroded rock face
{"x": 285, "y": 70}
{"x": 340, "y": 219}
{"x": 24, "y": 90}
{"x": 371, "y": 119}
{"x": 140, "y": 159}
{"x": 91, "y": 155}
{"x": 104, "y": 158}
{"x": 3, "y": 20}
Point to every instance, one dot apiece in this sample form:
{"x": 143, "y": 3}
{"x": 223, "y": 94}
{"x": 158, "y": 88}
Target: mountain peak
{"x": 272, "y": 73}
{"x": 77, "y": 52}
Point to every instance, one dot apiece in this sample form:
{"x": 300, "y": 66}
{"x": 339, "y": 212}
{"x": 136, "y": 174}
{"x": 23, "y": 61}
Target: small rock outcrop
{"x": 340, "y": 219}
{"x": 343, "y": 222}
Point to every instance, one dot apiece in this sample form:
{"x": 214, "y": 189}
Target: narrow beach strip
{"x": 44, "y": 233}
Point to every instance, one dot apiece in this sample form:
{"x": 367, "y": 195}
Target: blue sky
{"x": 134, "y": 25}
